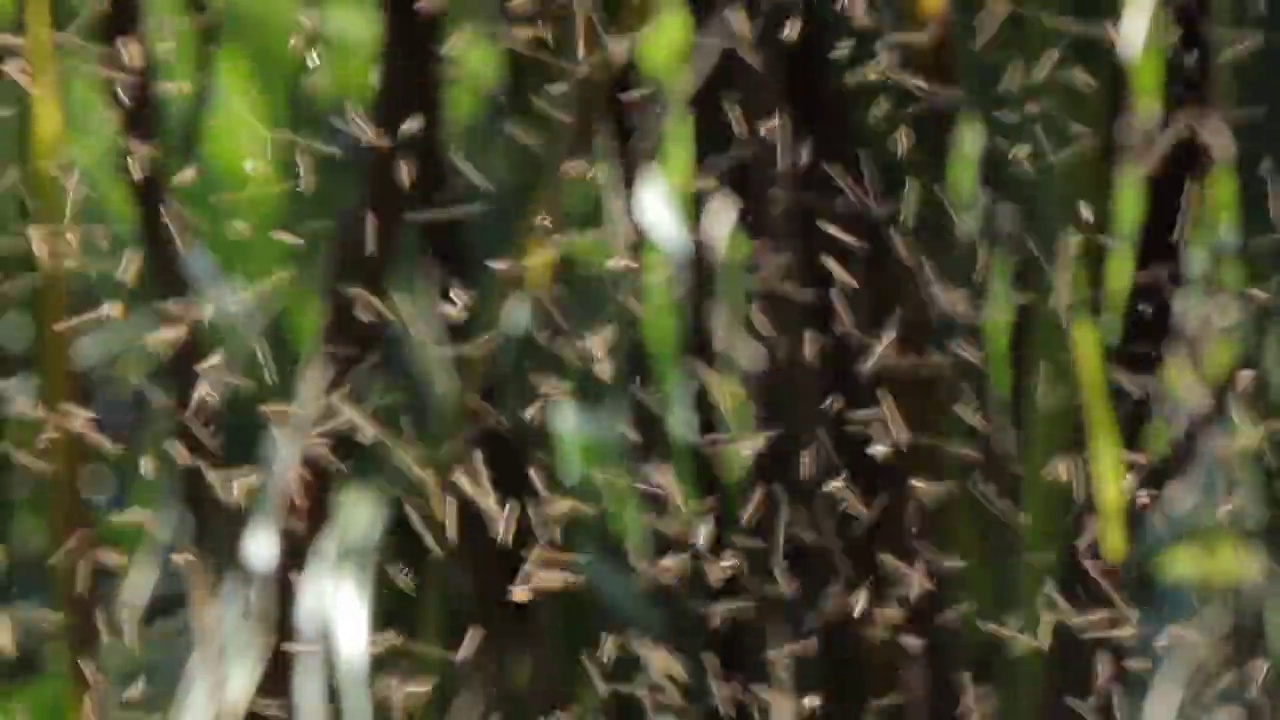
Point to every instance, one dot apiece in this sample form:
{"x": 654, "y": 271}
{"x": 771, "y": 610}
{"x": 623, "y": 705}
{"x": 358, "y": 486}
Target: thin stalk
{"x": 1102, "y": 438}
{"x": 727, "y": 320}
{"x": 1063, "y": 183}
{"x": 66, "y": 512}
{"x": 969, "y": 197}
{"x": 1145, "y": 78}
{"x": 1088, "y": 337}
{"x": 660, "y": 205}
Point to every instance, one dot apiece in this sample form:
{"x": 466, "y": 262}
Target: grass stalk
{"x": 1144, "y": 67}
{"x": 67, "y": 515}
{"x": 660, "y": 204}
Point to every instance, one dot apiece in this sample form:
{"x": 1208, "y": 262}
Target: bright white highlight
{"x": 349, "y": 620}
{"x": 260, "y": 546}
{"x": 1134, "y": 28}
{"x": 657, "y": 212}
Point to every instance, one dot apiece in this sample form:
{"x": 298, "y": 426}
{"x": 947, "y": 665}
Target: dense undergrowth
{"x": 637, "y": 359}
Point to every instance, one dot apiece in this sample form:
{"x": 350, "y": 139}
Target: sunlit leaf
{"x": 1102, "y": 441}
{"x": 662, "y": 49}
{"x": 240, "y": 177}
{"x": 95, "y": 144}
{"x": 351, "y": 41}
{"x": 1216, "y": 560}
{"x": 964, "y": 170}
{"x": 476, "y": 68}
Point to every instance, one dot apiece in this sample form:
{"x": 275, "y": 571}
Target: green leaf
{"x": 588, "y": 449}
{"x": 263, "y": 31}
{"x": 998, "y": 317}
{"x": 1102, "y": 441}
{"x": 476, "y": 66}
{"x": 964, "y": 170}
{"x": 351, "y": 41}
{"x": 663, "y": 46}
{"x": 41, "y": 697}
{"x": 240, "y": 186}
{"x": 1128, "y": 213}
{"x": 678, "y": 152}
{"x": 1146, "y": 77}
{"x": 304, "y": 317}
{"x": 93, "y": 142}
{"x": 1214, "y": 560}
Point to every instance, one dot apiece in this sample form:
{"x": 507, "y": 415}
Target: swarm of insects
{"x": 539, "y": 359}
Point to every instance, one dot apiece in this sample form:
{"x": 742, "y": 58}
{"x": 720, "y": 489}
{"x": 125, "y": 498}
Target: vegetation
{"x": 656, "y": 359}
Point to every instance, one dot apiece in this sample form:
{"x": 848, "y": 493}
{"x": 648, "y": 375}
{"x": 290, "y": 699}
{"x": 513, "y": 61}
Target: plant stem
{"x": 67, "y": 515}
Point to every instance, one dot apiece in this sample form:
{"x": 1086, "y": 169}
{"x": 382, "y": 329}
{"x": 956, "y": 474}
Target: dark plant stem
{"x": 164, "y": 279}
{"x": 410, "y": 85}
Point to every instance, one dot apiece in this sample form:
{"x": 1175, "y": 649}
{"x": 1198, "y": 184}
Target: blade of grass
{"x": 734, "y": 348}
{"x": 660, "y": 207}
{"x": 1069, "y": 189}
{"x": 1103, "y": 445}
{"x": 1143, "y": 47}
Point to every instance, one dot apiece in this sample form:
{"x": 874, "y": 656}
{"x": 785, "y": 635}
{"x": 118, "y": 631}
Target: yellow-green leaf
{"x": 1102, "y": 441}
{"x": 663, "y": 46}
{"x": 1217, "y": 560}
